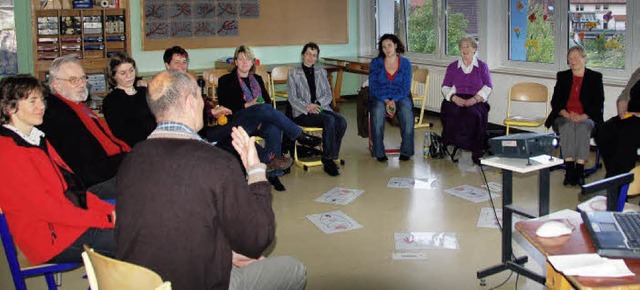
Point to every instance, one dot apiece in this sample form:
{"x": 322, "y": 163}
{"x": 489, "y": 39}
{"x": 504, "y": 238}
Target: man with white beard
{"x": 82, "y": 139}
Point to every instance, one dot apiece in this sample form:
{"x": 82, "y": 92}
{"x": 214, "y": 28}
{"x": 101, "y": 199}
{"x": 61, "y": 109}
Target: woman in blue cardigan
{"x": 389, "y": 93}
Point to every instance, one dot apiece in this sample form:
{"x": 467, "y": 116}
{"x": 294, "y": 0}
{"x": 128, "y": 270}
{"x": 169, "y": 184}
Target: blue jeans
{"x": 378, "y": 112}
{"x": 265, "y": 121}
{"x": 333, "y": 128}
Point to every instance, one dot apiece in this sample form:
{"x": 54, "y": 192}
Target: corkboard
{"x": 273, "y": 23}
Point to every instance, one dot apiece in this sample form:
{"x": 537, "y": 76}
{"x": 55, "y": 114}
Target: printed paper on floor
{"x": 470, "y": 193}
{"x": 487, "y": 219}
{"x": 493, "y": 186}
{"x": 339, "y": 195}
{"x": 418, "y": 183}
{"x": 334, "y": 222}
{"x": 412, "y": 241}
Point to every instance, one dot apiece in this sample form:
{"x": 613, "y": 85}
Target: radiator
{"x": 434, "y": 95}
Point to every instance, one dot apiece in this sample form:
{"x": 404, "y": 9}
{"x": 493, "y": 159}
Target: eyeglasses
{"x": 76, "y": 80}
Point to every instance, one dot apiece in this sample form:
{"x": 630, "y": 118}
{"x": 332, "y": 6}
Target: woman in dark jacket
{"x": 576, "y": 107}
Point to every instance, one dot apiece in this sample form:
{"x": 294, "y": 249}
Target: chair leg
{"x": 453, "y": 154}
{"x": 51, "y": 281}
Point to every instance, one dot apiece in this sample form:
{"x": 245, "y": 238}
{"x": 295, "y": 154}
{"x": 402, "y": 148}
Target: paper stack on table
{"x": 590, "y": 265}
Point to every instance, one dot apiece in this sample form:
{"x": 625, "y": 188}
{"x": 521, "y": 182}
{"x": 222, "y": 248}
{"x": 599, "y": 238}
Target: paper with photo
{"x": 334, "y": 222}
{"x": 400, "y": 182}
{"x": 470, "y": 193}
{"x": 493, "y": 186}
{"x": 412, "y": 241}
{"x": 339, "y": 195}
{"x": 418, "y": 183}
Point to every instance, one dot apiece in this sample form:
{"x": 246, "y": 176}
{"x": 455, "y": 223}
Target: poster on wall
{"x": 8, "y": 44}
{"x": 229, "y": 23}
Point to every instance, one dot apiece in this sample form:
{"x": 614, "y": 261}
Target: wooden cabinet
{"x": 92, "y": 35}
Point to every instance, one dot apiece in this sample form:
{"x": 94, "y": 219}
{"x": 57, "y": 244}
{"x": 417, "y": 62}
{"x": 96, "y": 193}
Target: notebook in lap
{"x": 614, "y": 234}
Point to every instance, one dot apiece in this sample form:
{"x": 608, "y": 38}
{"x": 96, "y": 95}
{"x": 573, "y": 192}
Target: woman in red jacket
{"x": 49, "y": 211}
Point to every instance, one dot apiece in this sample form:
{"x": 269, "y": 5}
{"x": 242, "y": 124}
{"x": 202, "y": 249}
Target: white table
{"x": 540, "y": 163}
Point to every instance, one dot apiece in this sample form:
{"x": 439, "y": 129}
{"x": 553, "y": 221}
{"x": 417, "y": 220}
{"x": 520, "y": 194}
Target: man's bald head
{"x": 166, "y": 93}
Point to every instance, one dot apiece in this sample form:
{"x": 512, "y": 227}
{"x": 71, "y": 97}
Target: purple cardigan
{"x": 467, "y": 83}
{"x": 380, "y": 88}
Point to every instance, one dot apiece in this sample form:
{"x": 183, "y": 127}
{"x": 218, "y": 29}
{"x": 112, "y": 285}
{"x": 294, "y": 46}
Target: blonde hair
{"x": 248, "y": 53}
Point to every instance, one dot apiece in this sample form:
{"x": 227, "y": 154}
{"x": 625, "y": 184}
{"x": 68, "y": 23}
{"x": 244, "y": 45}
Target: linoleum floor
{"x": 362, "y": 258}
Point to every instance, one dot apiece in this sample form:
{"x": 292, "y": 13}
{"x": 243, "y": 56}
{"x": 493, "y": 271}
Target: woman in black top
{"x": 125, "y": 108}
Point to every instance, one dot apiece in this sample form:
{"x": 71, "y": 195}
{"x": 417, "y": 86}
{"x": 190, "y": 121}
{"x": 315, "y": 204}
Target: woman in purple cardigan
{"x": 389, "y": 93}
{"x": 465, "y": 110}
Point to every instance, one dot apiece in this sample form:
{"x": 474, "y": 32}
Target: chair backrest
{"x": 110, "y": 274}
{"x": 20, "y": 268}
{"x": 211, "y": 78}
{"x": 528, "y": 92}
{"x": 419, "y": 76}
{"x": 279, "y": 74}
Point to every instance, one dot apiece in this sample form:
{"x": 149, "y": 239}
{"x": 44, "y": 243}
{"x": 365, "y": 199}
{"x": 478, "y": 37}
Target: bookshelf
{"x": 92, "y": 35}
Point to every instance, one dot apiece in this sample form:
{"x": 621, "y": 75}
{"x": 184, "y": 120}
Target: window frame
{"x": 562, "y": 8}
{"x": 439, "y": 58}
{"x": 496, "y": 32}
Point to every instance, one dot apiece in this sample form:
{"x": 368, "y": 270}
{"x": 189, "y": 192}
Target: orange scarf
{"x": 98, "y": 128}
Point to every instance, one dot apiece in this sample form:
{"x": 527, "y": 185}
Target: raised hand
{"x": 245, "y": 146}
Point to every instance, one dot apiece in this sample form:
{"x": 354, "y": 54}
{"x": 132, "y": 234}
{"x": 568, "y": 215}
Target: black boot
{"x": 579, "y": 175}
{"x": 275, "y": 181}
{"x": 569, "y": 173}
{"x": 330, "y": 167}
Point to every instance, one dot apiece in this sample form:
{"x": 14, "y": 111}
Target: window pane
{"x": 421, "y": 33}
{"x": 600, "y": 32}
{"x": 461, "y": 20}
{"x": 531, "y": 31}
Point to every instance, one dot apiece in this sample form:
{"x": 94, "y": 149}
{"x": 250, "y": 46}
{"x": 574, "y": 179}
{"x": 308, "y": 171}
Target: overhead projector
{"x": 523, "y": 145}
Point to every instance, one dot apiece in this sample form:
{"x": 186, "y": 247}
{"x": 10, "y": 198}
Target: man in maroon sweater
{"x": 185, "y": 208}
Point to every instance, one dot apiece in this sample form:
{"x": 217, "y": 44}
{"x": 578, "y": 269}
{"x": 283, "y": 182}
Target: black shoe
{"x": 404, "y": 157}
{"x": 330, "y": 167}
{"x": 275, "y": 181}
{"x": 569, "y": 169}
{"x": 382, "y": 159}
{"x": 579, "y": 175}
{"x": 308, "y": 140}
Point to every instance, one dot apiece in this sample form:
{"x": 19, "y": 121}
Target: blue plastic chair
{"x": 19, "y": 273}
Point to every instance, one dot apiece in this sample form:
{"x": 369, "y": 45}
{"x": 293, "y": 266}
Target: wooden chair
{"x": 261, "y": 70}
{"x": 110, "y": 274}
{"x": 211, "y": 78}
{"x": 420, "y": 76}
{"x": 279, "y": 76}
{"x": 526, "y": 94}
{"x": 20, "y": 270}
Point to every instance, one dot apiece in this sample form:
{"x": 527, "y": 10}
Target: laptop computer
{"x": 614, "y": 234}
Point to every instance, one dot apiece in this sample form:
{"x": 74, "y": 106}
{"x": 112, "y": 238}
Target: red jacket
{"x": 43, "y": 222}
